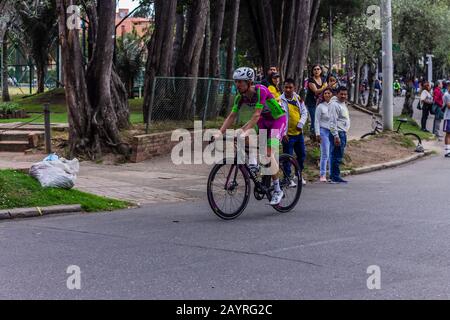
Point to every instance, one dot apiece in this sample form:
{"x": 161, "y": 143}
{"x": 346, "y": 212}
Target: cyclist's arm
{"x": 228, "y": 122}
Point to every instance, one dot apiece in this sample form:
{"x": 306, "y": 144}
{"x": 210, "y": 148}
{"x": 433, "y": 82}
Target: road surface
{"x": 397, "y": 220}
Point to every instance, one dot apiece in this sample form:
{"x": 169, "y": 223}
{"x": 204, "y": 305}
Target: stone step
{"x": 34, "y": 138}
{"x": 32, "y": 126}
{"x": 14, "y": 146}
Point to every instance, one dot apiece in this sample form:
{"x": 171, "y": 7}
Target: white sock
{"x": 276, "y": 184}
{"x": 447, "y": 148}
{"x": 252, "y": 160}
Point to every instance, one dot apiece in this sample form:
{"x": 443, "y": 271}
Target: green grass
{"x": 136, "y": 104}
{"x": 135, "y": 117}
{"x": 56, "y": 98}
{"x": 18, "y": 190}
{"x": 412, "y": 127}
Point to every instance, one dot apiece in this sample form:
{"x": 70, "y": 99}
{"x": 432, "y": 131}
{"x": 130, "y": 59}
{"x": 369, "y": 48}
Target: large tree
{"x": 283, "y": 31}
{"x": 159, "y": 49}
{"x": 6, "y": 19}
{"x": 95, "y": 96}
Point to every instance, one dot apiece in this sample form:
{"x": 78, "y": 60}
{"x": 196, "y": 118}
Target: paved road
{"x": 397, "y": 219}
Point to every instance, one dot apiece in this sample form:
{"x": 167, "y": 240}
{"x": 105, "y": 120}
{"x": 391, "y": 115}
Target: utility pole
{"x": 430, "y": 67}
{"x": 388, "y": 65}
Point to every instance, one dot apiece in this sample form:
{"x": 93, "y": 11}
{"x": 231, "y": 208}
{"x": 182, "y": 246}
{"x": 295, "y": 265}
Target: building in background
{"x": 141, "y": 25}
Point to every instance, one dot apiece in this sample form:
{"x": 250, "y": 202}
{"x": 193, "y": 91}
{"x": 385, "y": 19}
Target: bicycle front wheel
{"x": 228, "y": 190}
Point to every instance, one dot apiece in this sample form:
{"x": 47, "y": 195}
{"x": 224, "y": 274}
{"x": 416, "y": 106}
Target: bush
{"x": 8, "y": 107}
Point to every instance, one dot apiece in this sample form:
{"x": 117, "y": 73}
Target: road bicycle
{"x": 377, "y": 126}
{"x": 229, "y": 186}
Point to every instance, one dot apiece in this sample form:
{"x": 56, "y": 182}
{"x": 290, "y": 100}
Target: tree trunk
{"x": 410, "y": 96}
{"x": 178, "y": 42}
{"x": 40, "y": 70}
{"x": 312, "y": 8}
{"x": 82, "y": 140}
{"x": 5, "y": 91}
{"x": 288, "y": 40}
{"x": 357, "y": 79}
{"x": 95, "y": 97}
{"x": 188, "y": 65}
{"x": 349, "y": 72}
{"x": 159, "y": 49}
{"x": 264, "y": 27}
{"x": 372, "y": 78}
{"x": 119, "y": 96}
{"x": 206, "y": 51}
{"x": 216, "y": 33}
{"x": 230, "y": 55}
{"x": 299, "y": 22}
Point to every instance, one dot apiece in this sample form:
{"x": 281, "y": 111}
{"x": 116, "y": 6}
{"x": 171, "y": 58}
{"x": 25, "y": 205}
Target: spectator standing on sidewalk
{"x": 438, "y": 97}
{"x": 362, "y": 93}
{"x": 446, "y": 104}
{"x": 333, "y": 84}
{"x": 316, "y": 85}
{"x": 322, "y": 127}
{"x": 274, "y": 86}
{"x": 426, "y": 103}
{"x": 297, "y": 115}
{"x": 266, "y": 81}
{"x": 339, "y": 126}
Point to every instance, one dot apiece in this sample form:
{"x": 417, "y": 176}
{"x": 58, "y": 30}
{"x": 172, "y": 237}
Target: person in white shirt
{"x": 322, "y": 128}
{"x": 339, "y": 126}
{"x": 447, "y": 123}
{"x": 426, "y": 101}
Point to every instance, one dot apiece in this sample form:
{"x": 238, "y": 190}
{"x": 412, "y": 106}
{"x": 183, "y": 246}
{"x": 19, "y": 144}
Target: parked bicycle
{"x": 377, "y": 126}
{"x": 229, "y": 186}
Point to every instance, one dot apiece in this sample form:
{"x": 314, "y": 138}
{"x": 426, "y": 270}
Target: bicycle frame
{"x": 263, "y": 188}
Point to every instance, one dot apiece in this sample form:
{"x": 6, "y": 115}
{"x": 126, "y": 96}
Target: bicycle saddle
{"x": 403, "y": 120}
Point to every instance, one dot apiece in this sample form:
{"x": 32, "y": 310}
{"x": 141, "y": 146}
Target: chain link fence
{"x": 185, "y": 100}
{"x": 22, "y": 79}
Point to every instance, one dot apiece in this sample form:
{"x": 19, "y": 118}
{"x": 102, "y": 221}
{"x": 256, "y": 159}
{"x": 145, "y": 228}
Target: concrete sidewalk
{"x": 153, "y": 181}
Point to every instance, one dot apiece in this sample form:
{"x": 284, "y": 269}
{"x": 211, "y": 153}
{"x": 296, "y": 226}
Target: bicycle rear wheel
{"x": 368, "y": 135}
{"x": 417, "y": 140}
{"x": 228, "y": 190}
{"x": 289, "y": 173}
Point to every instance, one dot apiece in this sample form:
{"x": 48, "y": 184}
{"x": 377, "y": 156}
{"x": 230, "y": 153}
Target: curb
{"x": 37, "y": 211}
{"x": 386, "y": 165}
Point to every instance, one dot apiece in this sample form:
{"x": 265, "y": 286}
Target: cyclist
{"x": 268, "y": 115}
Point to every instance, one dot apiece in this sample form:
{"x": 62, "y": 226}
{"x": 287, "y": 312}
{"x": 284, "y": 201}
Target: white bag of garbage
{"x": 56, "y": 172}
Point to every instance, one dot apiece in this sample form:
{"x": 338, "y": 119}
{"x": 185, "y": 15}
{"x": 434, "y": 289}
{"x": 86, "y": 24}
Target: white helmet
{"x": 246, "y": 74}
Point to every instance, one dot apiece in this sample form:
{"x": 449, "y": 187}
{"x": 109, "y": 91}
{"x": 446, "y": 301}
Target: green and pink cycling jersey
{"x": 273, "y": 117}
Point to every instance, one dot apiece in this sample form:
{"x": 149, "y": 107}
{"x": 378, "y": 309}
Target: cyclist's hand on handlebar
{"x": 216, "y": 137}
{"x": 241, "y": 134}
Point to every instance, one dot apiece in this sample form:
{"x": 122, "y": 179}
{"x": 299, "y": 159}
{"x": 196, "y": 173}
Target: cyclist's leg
{"x": 276, "y": 133}
{"x": 253, "y": 153}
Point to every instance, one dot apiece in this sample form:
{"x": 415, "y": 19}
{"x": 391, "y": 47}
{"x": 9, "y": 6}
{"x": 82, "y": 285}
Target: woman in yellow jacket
{"x": 274, "y": 86}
